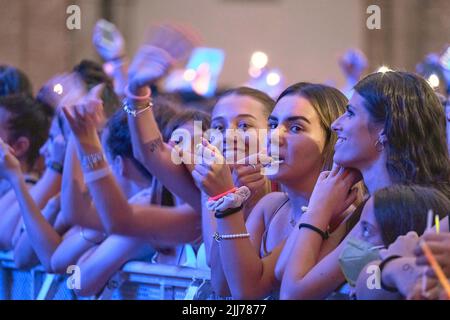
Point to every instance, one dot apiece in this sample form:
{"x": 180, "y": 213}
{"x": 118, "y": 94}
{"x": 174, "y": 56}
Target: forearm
{"x": 243, "y": 268}
{"x": 24, "y": 255}
{"x": 209, "y": 226}
{"x": 77, "y": 208}
{"x": 218, "y": 279}
{"x": 99, "y": 264}
{"x": 308, "y": 275}
{"x": 44, "y": 238}
{"x": 321, "y": 280}
{"x": 156, "y": 156}
{"x": 165, "y": 225}
{"x": 112, "y": 206}
{"x": 368, "y": 285}
{"x": 8, "y": 224}
{"x": 306, "y": 257}
{"x": 47, "y": 187}
{"x": 41, "y": 193}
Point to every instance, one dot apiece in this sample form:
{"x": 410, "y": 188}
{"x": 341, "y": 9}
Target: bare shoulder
{"x": 270, "y": 203}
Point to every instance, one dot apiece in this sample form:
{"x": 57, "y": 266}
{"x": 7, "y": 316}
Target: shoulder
{"x": 269, "y": 204}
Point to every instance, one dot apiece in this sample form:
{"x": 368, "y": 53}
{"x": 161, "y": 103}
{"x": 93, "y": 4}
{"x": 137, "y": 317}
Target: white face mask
{"x": 355, "y": 256}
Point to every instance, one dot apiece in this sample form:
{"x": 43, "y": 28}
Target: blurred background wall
{"x": 303, "y": 38}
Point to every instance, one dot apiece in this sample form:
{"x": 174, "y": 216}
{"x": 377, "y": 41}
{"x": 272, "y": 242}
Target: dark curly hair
{"x": 27, "y": 118}
{"x": 14, "y": 81}
{"x": 414, "y": 124}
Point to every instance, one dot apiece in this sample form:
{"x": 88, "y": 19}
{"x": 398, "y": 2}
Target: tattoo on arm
{"x": 154, "y": 145}
{"x": 407, "y": 267}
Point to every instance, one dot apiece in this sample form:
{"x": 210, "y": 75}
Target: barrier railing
{"x": 137, "y": 280}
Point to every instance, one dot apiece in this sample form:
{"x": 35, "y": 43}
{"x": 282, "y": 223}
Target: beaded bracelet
{"x": 219, "y": 237}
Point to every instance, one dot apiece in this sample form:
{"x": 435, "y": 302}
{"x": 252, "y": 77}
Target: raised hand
{"x": 87, "y": 117}
{"x": 353, "y": 63}
{"x": 109, "y": 47}
{"x": 177, "y": 41}
{"x": 9, "y": 165}
{"x": 165, "y": 46}
{"x": 403, "y": 246}
{"x": 62, "y": 89}
{"x": 212, "y": 175}
{"x": 334, "y": 191}
{"x": 57, "y": 149}
{"x": 433, "y": 290}
{"x": 248, "y": 172}
{"x": 439, "y": 245}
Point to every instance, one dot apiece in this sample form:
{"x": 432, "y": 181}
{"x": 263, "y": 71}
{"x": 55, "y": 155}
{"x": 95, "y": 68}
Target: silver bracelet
{"x": 90, "y": 161}
{"x": 219, "y": 237}
{"x": 135, "y": 112}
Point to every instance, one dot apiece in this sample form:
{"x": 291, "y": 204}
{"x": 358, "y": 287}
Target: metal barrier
{"x": 136, "y": 281}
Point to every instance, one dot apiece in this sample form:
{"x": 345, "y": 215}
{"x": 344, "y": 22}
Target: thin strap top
{"x": 265, "y": 252}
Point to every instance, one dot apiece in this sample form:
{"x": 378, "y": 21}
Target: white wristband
{"x": 96, "y": 175}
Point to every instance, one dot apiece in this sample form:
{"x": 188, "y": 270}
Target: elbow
{"x": 219, "y": 285}
{"x": 48, "y": 268}
{"x": 69, "y": 215}
{"x": 87, "y": 289}
{"x": 55, "y": 268}
{"x": 89, "y": 283}
{"x": 287, "y": 291}
{"x": 287, "y": 295}
{"x": 5, "y": 241}
{"x": 247, "y": 294}
{"x": 249, "y": 291}
{"x": 24, "y": 262}
{"x": 116, "y": 227}
{"x": 47, "y": 265}
{"x": 57, "y": 265}
{"x": 295, "y": 291}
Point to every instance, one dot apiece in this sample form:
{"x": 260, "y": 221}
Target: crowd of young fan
{"x": 89, "y": 178}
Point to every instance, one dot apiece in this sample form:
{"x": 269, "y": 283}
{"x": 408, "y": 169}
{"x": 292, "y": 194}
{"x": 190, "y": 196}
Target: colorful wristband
{"x": 227, "y": 212}
{"x": 222, "y": 194}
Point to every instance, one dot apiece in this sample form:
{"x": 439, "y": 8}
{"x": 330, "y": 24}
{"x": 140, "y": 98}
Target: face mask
{"x": 355, "y": 256}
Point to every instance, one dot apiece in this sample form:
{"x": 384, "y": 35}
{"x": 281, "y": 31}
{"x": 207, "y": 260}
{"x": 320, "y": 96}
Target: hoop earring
{"x": 379, "y": 146}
